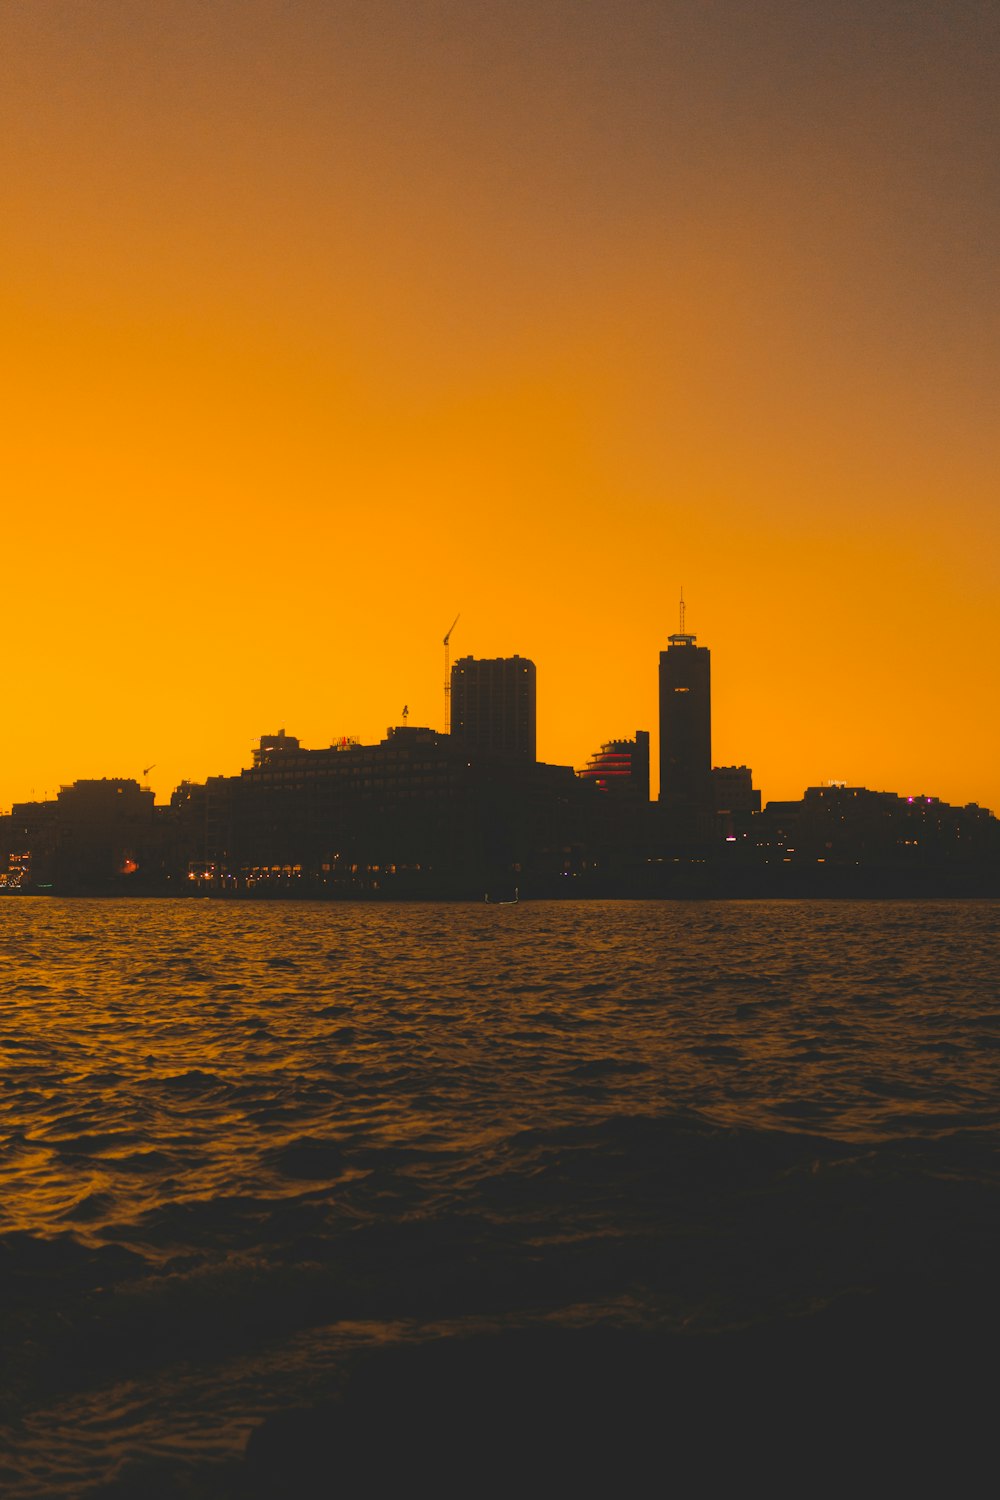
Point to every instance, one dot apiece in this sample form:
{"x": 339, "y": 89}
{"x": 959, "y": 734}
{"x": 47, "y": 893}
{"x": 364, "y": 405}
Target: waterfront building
{"x": 109, "y": 835}
{"x": 419, "y": 812}
{"x": 28, "y": 845}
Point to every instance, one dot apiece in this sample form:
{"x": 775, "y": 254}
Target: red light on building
{"x": 621, "y": 767}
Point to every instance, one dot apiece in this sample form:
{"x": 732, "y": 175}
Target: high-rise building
{"x": 686, "y": 725}
{"x": 493, "y": 704}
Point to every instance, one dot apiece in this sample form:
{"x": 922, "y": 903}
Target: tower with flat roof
{"x": 493, "y": 704}
{"x": 686, "y": 724}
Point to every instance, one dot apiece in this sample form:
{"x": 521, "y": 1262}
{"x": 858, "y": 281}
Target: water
{"x": 245, "y": 1141}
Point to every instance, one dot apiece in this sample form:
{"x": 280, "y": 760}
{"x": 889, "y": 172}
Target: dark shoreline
{"x": 863, "y": 886}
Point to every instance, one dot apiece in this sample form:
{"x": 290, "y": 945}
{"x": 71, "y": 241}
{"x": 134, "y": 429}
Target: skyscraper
{"x": 686, "y": 725}
{"x": 493, "y": 704}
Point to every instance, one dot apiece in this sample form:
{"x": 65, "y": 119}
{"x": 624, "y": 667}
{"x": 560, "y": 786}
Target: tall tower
{"x": 686, "y": 723}
{"x": 493, "y": 704}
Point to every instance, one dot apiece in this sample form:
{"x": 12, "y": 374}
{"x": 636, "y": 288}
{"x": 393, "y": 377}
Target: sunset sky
{"x": 325, "y": 320}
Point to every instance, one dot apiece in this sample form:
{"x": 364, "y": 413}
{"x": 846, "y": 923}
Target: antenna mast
{"x": 682, "y": 609}
{"x": 447, "y": 677}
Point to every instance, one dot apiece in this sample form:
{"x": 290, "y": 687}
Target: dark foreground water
{"x": 539, "y": 1189}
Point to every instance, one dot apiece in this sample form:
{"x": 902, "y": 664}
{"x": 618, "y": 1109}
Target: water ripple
{"x": 241, "y": 1139}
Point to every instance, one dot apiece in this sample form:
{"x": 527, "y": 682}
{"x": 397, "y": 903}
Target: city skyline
{"x": 681, "y": 661}
{"x": 327, "y": 322}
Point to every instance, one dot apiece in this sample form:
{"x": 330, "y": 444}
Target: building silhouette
{"x": 418, "y": 813}
{"x": 273, "y": 744}
{"x": 734, "y": 790}
{"x": 621, "y": 768}
{"x": 686, "y": 727}
{"x": 737, "y": 801}
{"x": 493, "y": 704}
{"x": 103, "y": 836}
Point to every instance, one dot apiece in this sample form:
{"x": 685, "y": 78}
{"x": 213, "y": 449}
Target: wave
{"x": 738, "y": 1136}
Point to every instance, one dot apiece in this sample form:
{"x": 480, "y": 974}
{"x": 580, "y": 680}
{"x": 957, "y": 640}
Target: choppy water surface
{"x": 242, "y": 1140}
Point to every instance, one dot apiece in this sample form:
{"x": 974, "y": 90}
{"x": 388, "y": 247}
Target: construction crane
{"x": 447, "y": 677}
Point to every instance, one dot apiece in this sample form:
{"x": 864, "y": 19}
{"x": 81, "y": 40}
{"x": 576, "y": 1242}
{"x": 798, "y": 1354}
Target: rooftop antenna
{"x": 682, "y": 609}
{"x": 447, "y": 677}
{"x": 406, "y": 714}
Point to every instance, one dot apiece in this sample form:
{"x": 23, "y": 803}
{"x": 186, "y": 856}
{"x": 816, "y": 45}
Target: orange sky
{"x": 326, "y": 321}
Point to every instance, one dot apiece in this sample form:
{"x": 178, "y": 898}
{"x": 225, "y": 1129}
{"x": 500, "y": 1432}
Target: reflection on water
{"x": 243, "y": 1140}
